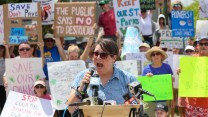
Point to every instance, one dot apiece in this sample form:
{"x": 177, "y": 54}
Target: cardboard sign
{"x": 193, "y": 77}
{"x": 47, "y": 12}
{"x": 201, "y": 28}
{"x": 75, "y": 19}
{"x": 130, "y": 66}
{"x": 23, "y": 22}
{"x": 127, "y": 13}
{"x": 22, "y": 105}
{"x": 132, "y": 41}
{"x": 182, "y": 23}
{"x": 203, "y": 11}
{"x": 147, "y": 4}
{"x": 158, "y": 85}
{"x": 1, "y": 25}
{"x": 21, "y": 74}
{"x": 61, "y": 77}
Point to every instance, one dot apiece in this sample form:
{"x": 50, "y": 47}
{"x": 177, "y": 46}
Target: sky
{"x": 185, "y": 2}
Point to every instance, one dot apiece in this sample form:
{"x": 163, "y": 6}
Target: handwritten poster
{"x": 203, "y": 11}
{"x": 1, "y": 25}
{"x": 130, "y": 66}
{"x": 47, "y": 12}
{"x": 127, "y": 14}
{"x": 147, "y": 4}
{"x": 158, "y": 85}
{"x": 182, "y": 23}
{"x": 132, "y": 41}
{"x": 22, "y": 10}
{"x": 21, "y": 74}
{"x": 22, "y": 105}
{"x": 201, "y": 28}
{"x": 75, "y": 19}
{"x": 193, "y": 77}
{"x": 61, "y": 77}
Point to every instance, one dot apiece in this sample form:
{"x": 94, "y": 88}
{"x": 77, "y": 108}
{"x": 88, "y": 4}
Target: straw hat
{"x": 156, "y": 49}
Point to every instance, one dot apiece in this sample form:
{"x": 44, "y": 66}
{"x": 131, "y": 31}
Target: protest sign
{"x": 23, "y": 22}
{"x": 182, "y": 23}
{"x": 175, "y": 67}
{"x": 132, "y": 41}
{"x": 22, "y": 105}
{"x": 47, "y": 12}
{"x": 1, "y": 25}
{"x": 193, "y": 77}
{"x": 130, "y": 66}
{"x": 61, "y": 77}
{"x": 158, "y": 85}
{"x": 127, "y": 14}
{"x": 75, "y": 19}
{"x": 201, "y": 28}
{"x": 21, "y": 74}
{"x": 203, "y": 11}
{"x": 147, "y": 4}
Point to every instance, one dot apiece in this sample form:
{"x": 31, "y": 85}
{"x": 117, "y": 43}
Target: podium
{"x": 109, "y": 110}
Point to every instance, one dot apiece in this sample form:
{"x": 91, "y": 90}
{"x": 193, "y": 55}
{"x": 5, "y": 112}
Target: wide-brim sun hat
{"x": 156, "y": 49}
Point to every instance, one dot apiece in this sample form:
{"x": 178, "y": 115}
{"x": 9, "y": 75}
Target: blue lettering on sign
{"x": 17, "y": 31}
{"x": 19, "y": 6}
{"x": 17, "y": 39}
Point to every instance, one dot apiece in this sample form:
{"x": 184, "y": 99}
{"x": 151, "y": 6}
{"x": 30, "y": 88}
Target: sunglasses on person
{"x": 156, "y": 54}
{"x": 177, "y": 5}
{"x": 48, "y": 40}
{"x": 39, "y": 86}
{"x": 189, "y": 51}
{"x": 205, "y": 44}
{"x": 102, "y": 55}
{"x": 24, "y": 49}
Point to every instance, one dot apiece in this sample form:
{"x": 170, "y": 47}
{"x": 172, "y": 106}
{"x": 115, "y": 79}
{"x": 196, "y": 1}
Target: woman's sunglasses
{"x": 39, "y": 86}
{"x": 102, "y": 55}
{"x": 156, "y": 54}
{"x": 24, "y": 49}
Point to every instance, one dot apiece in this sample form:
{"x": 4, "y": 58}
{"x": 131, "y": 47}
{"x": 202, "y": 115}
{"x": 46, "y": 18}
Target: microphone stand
{"x": 141, "y": 108}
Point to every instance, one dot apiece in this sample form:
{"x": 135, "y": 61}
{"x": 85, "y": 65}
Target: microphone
{"x": 94, "y": 84}
{"x": 129, "y": 100}
{"x": 142, "y": 91}
{"x": 136, "y": 87}
{"x": 84, "y": 90}
{"x": 80, "y": 103}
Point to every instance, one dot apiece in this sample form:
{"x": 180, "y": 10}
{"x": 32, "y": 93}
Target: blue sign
{"x": 16, "y": 31}
{"x": 17, "y": 39}
{"x": 182, "y": 23}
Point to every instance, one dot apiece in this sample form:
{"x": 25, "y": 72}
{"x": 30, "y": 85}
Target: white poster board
{"x": 127, "y": 14}
{"x": 22, "y": 105}
{"x": 61, "y": 77}
{"x": 201, "y": 28}
{"x": 130, "y": 66}
{"x": 22, "y": 10}
{"x": 22, "y": 73}
{"x": 47, "y": 11}
{"x": 1, "y": 25}
{"x": 203, "y": 11}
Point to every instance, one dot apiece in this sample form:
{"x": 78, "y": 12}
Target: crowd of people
{"x": 103, "y": 52}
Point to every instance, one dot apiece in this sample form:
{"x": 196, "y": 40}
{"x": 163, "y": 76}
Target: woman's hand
{"x": 178, "y": 71}
{"x": 149, "y": 74}
{"x": 86, "y": 79}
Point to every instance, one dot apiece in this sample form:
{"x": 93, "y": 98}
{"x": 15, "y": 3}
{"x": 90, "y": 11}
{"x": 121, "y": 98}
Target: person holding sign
{"x": 112, "y": 82}
{"x": 156, "y": 55}
{"x": 107, "y": 20}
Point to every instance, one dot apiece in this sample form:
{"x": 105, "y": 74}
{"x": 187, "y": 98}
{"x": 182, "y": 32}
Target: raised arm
{"x": 60, "y": 49}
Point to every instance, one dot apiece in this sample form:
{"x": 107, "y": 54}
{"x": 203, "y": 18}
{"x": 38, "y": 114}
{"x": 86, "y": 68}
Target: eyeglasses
{"x": 156, "y": 53}
{"x": 102, "y": 55}
{"x": 48, "y": 40}
{"x": 205, "y": 44}
{"x": 177, "y": 5}
{"x": 39, "y": 86}
{"x": 187, "y": 51}
{"x": 24, "y": 49}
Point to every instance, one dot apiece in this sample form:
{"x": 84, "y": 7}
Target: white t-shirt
{"x": 147, "y": 24}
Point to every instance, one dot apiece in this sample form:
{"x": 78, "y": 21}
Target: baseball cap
{"x": 40, "y": 82}
{"x": 49, "y": 36}
{"x": 102, "y": 2}
{"x": 201, "y": 38}
{"x": 161, "y": 107}
{"x": 144, "y": 45}
{"x": 189, "y": 47}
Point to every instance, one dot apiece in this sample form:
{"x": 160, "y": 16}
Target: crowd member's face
{"x": 1, "y": 50}
{"x": 73, "y": 56}
{"x": 102, "y": 60}
{"x": 160, "y": 113}
{"x": 105, "y": 7}
{"x": 49, "y": 43}
{"x": 39, "y": 89}
{"x": 177, "y": 7}
{"x": 203, "y": 47}
{"x": 143, "y": 49}
{"x": 176, "y": 51}
{"x": 144, "y": 14}
{"x": 156, "y": 57}
{"x": 189, "y": 52}
{"x": 24, "y": 51}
